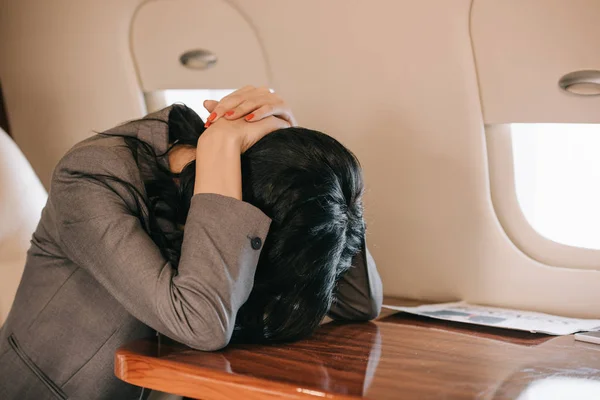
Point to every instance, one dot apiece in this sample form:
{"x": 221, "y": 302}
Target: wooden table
{"x": 396, "y": 357}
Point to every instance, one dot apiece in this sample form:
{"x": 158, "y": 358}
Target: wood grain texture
{"x": 398, "y": 356}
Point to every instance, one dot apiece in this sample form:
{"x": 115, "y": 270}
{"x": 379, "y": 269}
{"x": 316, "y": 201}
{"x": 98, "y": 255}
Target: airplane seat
{"x": 22, "y": 198}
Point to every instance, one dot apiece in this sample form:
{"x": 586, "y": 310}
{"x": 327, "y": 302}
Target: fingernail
{"x": 229, "y": 113}
{"x": 249, "y": 117}
{"x": 206, "y": 125}
{"x": 212, "y": 117}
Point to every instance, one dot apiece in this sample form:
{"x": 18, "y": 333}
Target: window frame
{"x": 511, "y": 217}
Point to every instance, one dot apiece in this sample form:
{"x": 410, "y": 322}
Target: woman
{"x": 145, "y": 231}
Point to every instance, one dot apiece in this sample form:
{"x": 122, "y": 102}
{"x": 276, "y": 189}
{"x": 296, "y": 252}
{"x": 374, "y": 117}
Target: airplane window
{"x": 557, "y": 178}
{"x": 194, "y": 98}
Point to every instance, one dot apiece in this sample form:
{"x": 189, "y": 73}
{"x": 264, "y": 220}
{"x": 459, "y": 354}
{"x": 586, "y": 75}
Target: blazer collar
{"x": 152, "y": 129}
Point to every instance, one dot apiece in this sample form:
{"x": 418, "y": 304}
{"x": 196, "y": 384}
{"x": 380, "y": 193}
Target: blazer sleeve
{"x": 360, "y": 292}
{"x": 195, "y": 304}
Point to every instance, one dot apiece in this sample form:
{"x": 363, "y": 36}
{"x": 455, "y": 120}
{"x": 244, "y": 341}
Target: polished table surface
{"x": 396, "y": 357}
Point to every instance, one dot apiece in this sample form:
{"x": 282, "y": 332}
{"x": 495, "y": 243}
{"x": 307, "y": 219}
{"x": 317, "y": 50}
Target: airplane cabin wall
{"x": 66, "y": 70}
{"x": 394, "y": 80}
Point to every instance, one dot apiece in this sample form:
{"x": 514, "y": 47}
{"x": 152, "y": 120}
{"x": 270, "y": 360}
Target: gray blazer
{"x": 94, "y": 280}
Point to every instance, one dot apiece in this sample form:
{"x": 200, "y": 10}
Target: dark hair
{"x": 311, "y": 187}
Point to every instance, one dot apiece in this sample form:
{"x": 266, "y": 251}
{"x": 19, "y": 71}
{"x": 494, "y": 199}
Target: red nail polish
{"x": 229, "y": 113}
{"x": 206, "y": 125}
{"x": 249, "y": 117}
{"x": 212, "y": 117}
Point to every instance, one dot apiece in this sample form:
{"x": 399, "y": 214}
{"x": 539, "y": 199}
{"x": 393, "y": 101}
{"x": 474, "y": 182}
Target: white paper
{"x": 503, "y": 318}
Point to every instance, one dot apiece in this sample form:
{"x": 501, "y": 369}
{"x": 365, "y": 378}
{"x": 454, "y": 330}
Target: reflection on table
{"x": 399, "y": 356}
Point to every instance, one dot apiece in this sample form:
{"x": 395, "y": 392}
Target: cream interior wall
{"x": 395, "y": 80}
{"x": 66, "y": 70}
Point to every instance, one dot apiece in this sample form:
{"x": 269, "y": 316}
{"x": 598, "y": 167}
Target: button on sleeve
{"x": 256, "y": 243}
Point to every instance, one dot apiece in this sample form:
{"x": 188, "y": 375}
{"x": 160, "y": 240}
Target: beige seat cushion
{"x": 22, "y": 198}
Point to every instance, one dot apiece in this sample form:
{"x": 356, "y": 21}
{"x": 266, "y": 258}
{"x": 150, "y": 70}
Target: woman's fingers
{"x": 232, "y": 101}
{"x": 210, "y": 105}
{"x": 258, "y": 108}
{"x": 252, "y": 104}
{"x": 281, "y": 111}
{"x": 249, "y": 107}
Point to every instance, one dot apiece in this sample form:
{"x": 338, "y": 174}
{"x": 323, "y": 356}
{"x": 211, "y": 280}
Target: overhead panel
{"x": 195, "y": 44}
{"x": 522, "y": 50}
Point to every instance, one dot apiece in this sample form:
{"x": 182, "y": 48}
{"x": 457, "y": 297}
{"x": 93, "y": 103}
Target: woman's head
{"x": 311, "y": 187}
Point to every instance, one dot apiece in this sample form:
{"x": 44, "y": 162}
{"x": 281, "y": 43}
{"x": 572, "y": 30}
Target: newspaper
{"x": 503, "y": 318}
